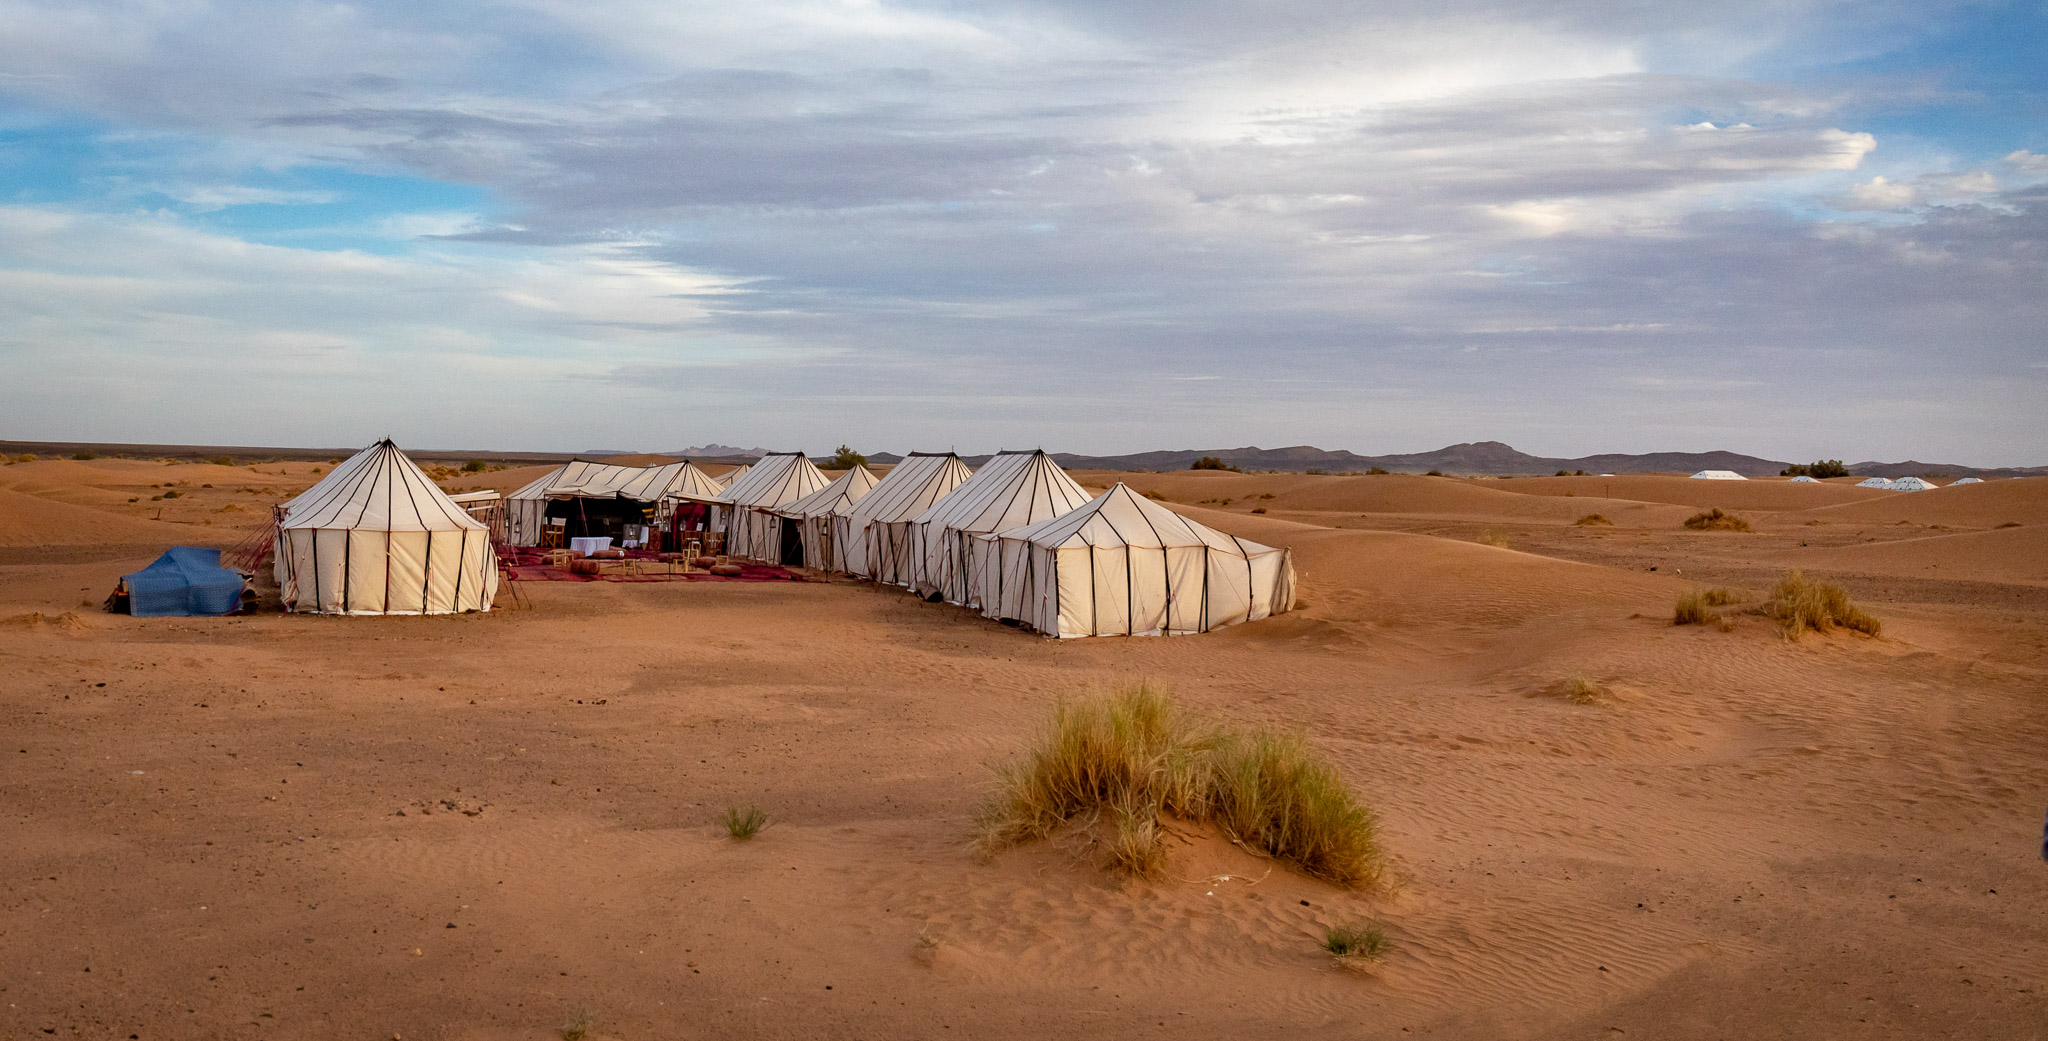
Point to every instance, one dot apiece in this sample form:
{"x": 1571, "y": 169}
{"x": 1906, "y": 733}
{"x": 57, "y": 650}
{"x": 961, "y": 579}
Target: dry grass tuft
{"x": 743, "y": 824}
{"x": 1136, "y": 758}
{"x": 1594, "y": 519}
{"x": 1495, "y": 537}
{"x": 1800, "y": 604}
{"x": 1715, "y": 520}
{"x": 1362, "y": 941}
{"x": 579, "y": 1024}
{"x": 1579, "y": 690}
{"x": 1696, "y": 606}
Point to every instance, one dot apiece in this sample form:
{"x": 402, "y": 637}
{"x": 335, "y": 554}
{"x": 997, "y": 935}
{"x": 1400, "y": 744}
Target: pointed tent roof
{"x": 726, "y": 479}
{"x": 910, "y": 488}
{"x": 377, "y": 489}
{"x": 1914, "y": 484}
{"x": 1122, "y": 517}
{"x": 1969, "y": 480}
{"x": 837, "y": 497}
{"x": 582, "y": 478}
{"x": 1803, "y": 479}
{"x": 780, "y": 478}
{"x": 1718, "y": 475}
{"x": 1873, "y": 482}
{"x": 1011, "y": 489}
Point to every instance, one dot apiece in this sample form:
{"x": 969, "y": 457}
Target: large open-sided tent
{"x": 873, "y": 538}
{"x": 1009, "y": 491}
{"x": 375, "y": 536}
{"x": 1123, "y": 565}
{"x": 595, "y": 498}
{"x": 813, "y": 515}
{"x": 753, "y": 529}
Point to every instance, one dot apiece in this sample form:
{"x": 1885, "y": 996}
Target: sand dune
{"x": 466, "y": 827}
{"x": 30, "y": 520}
{"x": 1684, "y": 491}
{"x": 2002, "y": 555}
{"x": 1986, "y": 505}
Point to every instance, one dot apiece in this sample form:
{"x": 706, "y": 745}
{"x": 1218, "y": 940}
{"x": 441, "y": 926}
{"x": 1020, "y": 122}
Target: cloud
{"x": 1880, "y": 194}
{"x": 920, "y": 223}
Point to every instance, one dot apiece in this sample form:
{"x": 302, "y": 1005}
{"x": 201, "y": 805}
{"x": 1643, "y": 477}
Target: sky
{"x": 1797, "y": 228}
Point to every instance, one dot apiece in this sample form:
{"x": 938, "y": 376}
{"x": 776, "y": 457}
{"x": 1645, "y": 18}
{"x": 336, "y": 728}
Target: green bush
{"x": 1210, "y": 462}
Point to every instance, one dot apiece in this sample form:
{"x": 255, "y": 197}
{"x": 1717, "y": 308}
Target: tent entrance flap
{"x": 792, "y": 543}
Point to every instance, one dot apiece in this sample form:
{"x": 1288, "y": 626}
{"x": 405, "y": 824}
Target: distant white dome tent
{"x": 813, "y": 515}
{"x": 1873, "y": 482}
{"x": 1913, "y": 484}
{"x": 873, "y": 538}
{"x": 1011, "y": 490}
{"x": 1803, "y": 479}
{"x": 376, "y": 536}
{"x": 1123, "y": 565}
{"x": 1718, "y": 475}
{"x": 753, "y": 529}
{"x": 1968, "y": 480}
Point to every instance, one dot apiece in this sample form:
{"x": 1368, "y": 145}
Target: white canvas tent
{"x": 874, "y": 537}
{"x": 527, "y": 509}
{"x": 1873, "y": 482}
{"x": 1968, "y": 480}
{"x": 1913, "y": 484}
{"x": 725, "y": 479}
{"x": 1011, "y": 490}
{"x": 813, "y": 515}
{"x": 1123, "y": 565}
{"x": 753, "y": 529}
{"x": 375, "y": 536}
{"x": 1718, "y": 475}
{"x": 1803, "y": 479}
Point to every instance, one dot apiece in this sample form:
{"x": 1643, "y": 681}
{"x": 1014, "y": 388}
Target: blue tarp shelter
{"x": 186, "y": 580}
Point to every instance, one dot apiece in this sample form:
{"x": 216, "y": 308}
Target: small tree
{"x": 846, "y": 459}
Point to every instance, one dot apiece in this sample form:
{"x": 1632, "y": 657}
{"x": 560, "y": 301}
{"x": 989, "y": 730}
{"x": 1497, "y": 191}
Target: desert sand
{"x": 473, "y": 827}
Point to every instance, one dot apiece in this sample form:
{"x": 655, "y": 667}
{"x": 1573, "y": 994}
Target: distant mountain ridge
{"x": 1477, "y": 458}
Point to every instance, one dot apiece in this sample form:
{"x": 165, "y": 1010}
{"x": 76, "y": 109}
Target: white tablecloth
{"x": 585, "y": 547}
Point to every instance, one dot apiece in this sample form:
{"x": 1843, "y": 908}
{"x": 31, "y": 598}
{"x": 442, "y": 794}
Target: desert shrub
{"x": 1821, "y": 469}
{"x": 475, "y": 466}
{"x": 1579, "y": 690}
{"x": 85, "y": 453}
{"x": 1800, "y": 604}
{"x": 1562, "y": 473}
{"x": 172, "y": 494}
{"x": 1696, "y": 606}
{"x": 1134, "y": 756}
{"x": 1434, "y": 473}
{"x": 222, "y": 460}
{"x": 1377, "y": 471}
{"x": 580, "y": 1023}
{"x": 1494, "y": 537}
{"x": 1715, "y": 520}
{"x": 1593, "y": 519}
{"x": 1357, "y": 940}
{"x": 1316, "y": 472}
{"x": 743, "y": 824}
{"x": 1258, "y": 509}
{"x": 1210, "y": 462}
